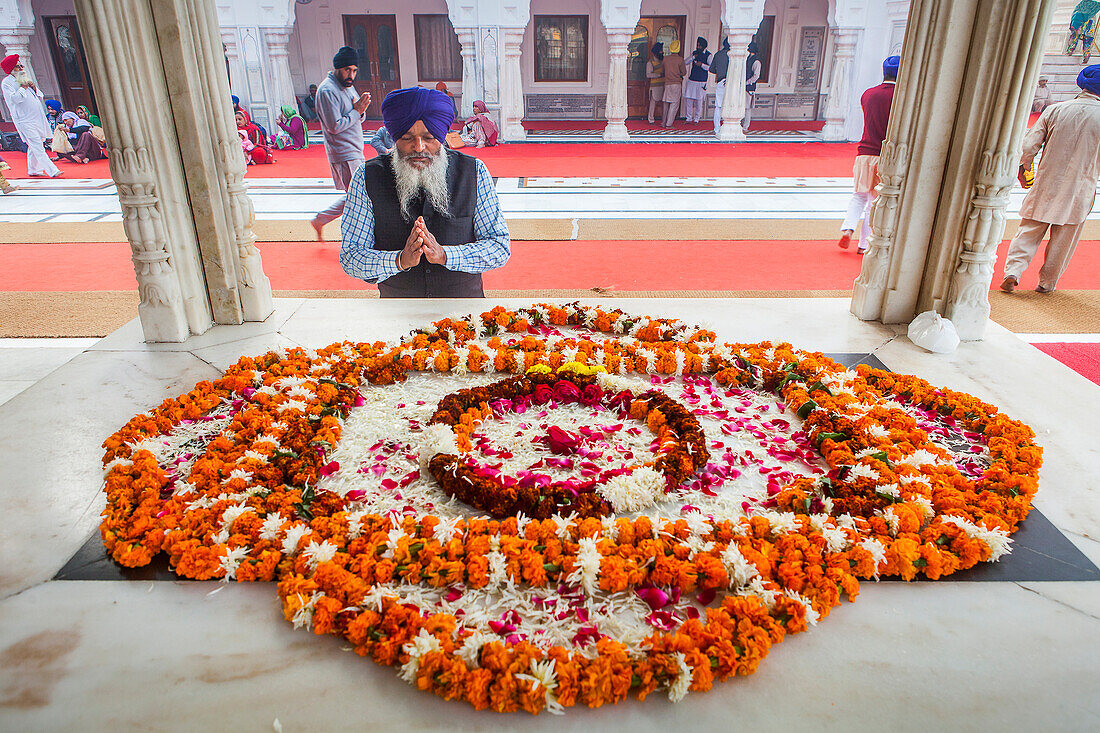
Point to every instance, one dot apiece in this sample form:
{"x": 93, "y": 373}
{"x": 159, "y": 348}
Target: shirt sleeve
{"x": 492, "y": 246}
{"x": 1035, "y": 138}
{"x": 357, "y": 254}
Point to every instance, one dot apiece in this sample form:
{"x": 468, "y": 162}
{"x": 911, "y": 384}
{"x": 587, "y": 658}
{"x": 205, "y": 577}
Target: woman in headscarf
{"x": 86, "y": 114}
{"x": 480, "y": 130}
{"x": 85, "y": 146}
{"x": 253, "y": 143}
{"x": 53, "y": 112}
{"x": 656, "y": 76}
{"x": 294, "y": 128}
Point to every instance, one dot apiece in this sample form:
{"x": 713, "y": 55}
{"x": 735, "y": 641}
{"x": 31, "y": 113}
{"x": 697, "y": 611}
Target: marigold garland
{"x": 223, "y": 479}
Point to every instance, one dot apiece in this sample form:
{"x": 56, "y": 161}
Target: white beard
{"x": 431, "y": 180}
{"x": 23, "y": 78}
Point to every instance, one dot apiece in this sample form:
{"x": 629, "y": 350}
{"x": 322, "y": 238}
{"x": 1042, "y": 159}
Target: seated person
{"x": 294, "y": 129}
{"x": 253, "y": 141}
{"x": 422, "y": 221}
{"x": 79, "y": 131}
{"x": 479, "y": 129}
{"x": 381, "y": 140}
{"x": 308, "y": 105}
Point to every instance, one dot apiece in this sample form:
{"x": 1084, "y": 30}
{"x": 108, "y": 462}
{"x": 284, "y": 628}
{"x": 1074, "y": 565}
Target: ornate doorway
{"x": 651, "y": 29}
{"x": 374, "y": 37}
{"x": 68, "y": 61}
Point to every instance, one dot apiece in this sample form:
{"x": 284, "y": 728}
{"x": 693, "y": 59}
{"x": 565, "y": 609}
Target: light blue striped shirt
{"x": 491, "y": 248}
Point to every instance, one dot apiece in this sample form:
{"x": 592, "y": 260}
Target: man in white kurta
{"x": 1065, "y": 184}
{"x": 28, "y": 112}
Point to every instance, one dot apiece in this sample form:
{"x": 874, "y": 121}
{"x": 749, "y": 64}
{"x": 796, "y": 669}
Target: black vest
{"x": 752, "y": 59}
{"x": 391, "y": 230}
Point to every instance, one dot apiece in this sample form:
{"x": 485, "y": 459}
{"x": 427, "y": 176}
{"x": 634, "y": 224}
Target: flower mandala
{"x": 661, "y": 508}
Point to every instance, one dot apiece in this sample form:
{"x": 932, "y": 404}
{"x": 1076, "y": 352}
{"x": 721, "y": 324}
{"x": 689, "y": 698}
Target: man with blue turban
{"x": 1065, "y": 184}
{"x": 422, "y": 220}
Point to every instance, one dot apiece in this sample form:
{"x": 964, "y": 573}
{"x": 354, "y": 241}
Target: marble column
{"x": 176, "y": 162}
{"x": 958, "y": 118}
{"x": 733, "y": 105}
{"x": 221, "y": 209}
{"x": 17, "y": 40}
{"x": 232, "y": 54}
{"x": 123, "y": 55}
{"x": 278, "y": 57}
{"x": 618, "y": 39}
{"x": 837, "y": 104}
{"x": 471, "y": 89}
{"x": 511, "y": 86}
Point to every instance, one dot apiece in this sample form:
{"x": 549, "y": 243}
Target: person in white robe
{"x": 1065, "y": 184}
{"x": 28, "y": 112}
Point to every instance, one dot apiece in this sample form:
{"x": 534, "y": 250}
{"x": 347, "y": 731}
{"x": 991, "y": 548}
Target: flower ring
{"x": 784, "y": 479}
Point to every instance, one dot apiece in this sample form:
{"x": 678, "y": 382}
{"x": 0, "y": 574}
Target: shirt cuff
{"x": 389, "y": 266}
{"x": 454, "y": 257}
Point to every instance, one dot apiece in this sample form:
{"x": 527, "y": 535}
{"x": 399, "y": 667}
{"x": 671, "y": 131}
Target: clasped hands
{"x": 420, "y": 243}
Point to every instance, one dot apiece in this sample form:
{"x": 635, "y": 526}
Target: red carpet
{"x": 572, "y": 160}
{"x": 634, "y": 265}
{"x": 764, "y": 125}
{"x": 1081, "y": 358}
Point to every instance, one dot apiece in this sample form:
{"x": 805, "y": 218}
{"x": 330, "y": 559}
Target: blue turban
{"x": 53, "y": 104}
{"x": 402, "y": 108}
{"x": 1089, "y": 79}
{"x": 236, "y": 101}
{"x": 890, "y": 67}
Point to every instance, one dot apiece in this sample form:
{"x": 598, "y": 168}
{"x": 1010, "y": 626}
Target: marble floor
{"x": 184, "y": 656}
{"x": 792, "y": 198}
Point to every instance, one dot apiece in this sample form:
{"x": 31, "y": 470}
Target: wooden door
{"x": 69, "y": 62}
{"x": 374, "y": 37}
{"x": 651, "y": 29}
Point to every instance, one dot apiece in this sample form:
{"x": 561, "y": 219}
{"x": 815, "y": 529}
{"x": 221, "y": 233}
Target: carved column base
{"x": 731, "y": 132}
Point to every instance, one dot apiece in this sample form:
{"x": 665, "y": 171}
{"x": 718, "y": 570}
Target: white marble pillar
{"x": 839, "y": 101}
{"x": 733, "y": 105}
{"x": 176, "y": 162}
{"x": 232, "y": 53}
{"x": 617, "y": 39}
{"x": 123, "y": 55}
{"x": 952, "y": 149}
{"x": 511, "y": 86}
{"x": 471, "y": 88}
{"x": 281, "y": 85}
{"x": 17, "y": 40}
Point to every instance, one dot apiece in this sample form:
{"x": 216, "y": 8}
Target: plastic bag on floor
{"x": 931, "y": 331}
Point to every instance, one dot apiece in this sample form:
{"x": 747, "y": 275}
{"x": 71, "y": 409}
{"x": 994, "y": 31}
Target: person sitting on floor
{"x": 5, "y": 187}
{"x": 53, "y": 112}
{"x": 85, "y": 145}
{"x": 86, "y": 114}
{"x": 308, "y": 106}
{"x": 479, "y": 129}
{"x": 442, "y": 86}
{"x": 294, "y": 129}
{"x": 259, "y": 152}
{"x": 381, "y": 140}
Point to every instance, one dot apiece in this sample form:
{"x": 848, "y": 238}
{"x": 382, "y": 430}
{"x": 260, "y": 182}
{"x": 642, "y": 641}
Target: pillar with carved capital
{"x": 733, "y": 104}
{"x": 278, "y": 58}
{"x": 618, "y": 39}
{"x": 839, "y": 100}
{"x": 17, "y": 40}
{"x": 511, "y": 86}
{"x": 177, "y": 162}
{"x": 958, "y": 117}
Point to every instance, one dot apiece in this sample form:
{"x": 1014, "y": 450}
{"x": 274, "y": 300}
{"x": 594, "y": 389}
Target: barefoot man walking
{"x": 341, "y": 115}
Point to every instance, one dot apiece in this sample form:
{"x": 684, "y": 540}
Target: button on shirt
{"x": 359, "y": 259}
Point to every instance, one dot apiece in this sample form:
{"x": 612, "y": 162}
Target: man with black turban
{"x": 1065, "y": 184}
{"x": 422, "y": 220}
{"x": 341, "y": 110}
